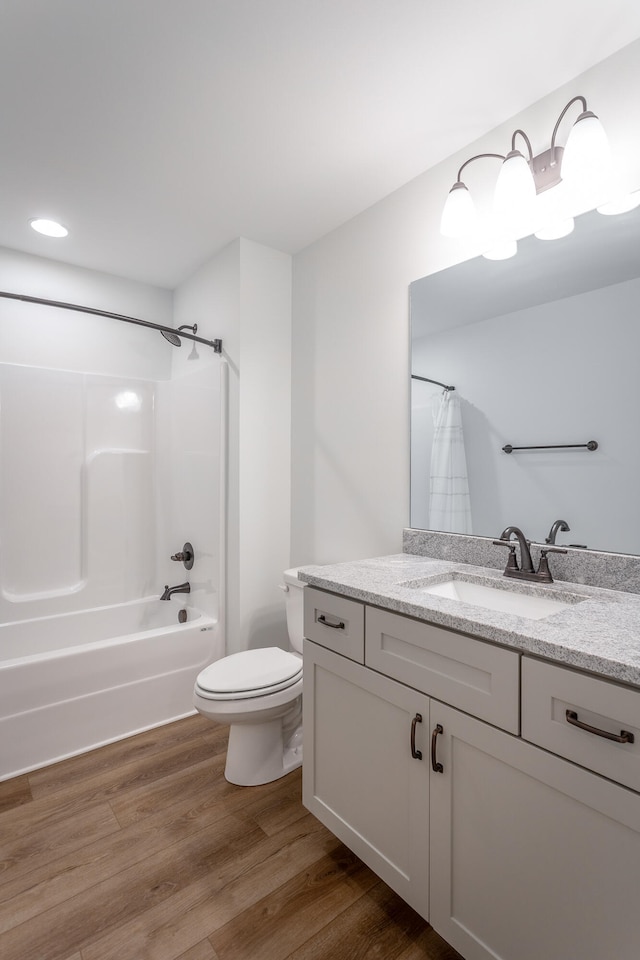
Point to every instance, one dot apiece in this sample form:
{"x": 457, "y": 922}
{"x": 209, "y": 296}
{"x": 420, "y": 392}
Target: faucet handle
{"x": 185, "y": 556}
{"x": 512, "y": 563}
{"x": 544, "y": 573}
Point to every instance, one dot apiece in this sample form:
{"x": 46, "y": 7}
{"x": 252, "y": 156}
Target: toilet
{"x": 259, "y": 693}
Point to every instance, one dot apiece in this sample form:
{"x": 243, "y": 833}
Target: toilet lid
{"x": 250, "y": 673}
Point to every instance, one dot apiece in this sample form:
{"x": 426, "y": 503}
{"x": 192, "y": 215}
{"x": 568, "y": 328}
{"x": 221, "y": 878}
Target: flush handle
{"x": 623, "y": 737}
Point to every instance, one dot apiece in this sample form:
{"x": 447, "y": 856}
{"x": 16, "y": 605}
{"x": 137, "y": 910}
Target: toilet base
{"x": 256, "y": 753}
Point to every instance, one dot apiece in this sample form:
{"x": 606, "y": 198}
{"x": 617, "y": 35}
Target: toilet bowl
{"x": 259, "y": 694}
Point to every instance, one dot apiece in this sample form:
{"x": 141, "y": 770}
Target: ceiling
{"x": 160, "y": 130}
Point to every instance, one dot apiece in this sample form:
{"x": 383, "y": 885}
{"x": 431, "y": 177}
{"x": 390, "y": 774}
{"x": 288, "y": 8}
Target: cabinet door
{"x": 531, "y": 856}
{"x": 359, "y": 776}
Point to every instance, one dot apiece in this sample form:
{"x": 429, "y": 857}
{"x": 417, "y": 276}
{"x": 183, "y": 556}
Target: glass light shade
{"x": 515, "y": 195}
{"x": 459, "y": 216}
{"x": 556, "y": 229}
{"x": 621, "y": 204}
{"x": 502, "y": 251}
{"x": 586, "y": 162}
{"x": 48, "y": 227}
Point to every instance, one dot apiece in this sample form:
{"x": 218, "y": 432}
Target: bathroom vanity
{"x": 481, "y": 755}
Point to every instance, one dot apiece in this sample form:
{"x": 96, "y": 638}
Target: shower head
{"x": 174, "y": 338}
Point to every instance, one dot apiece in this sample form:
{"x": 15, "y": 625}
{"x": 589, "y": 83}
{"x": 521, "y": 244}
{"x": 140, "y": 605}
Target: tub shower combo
{"x": 99, "y": 485}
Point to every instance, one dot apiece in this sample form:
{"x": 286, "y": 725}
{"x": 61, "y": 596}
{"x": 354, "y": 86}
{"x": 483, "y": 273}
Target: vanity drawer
{"x": 549, "y": 691}
{"x": 334, "y": 622}
{"x": 470, "y": 674}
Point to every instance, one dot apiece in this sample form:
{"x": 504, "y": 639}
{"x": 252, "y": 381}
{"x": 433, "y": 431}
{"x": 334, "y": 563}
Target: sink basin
{"x": 501, "y": 599}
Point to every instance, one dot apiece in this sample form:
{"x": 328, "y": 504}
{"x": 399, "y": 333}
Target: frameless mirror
{"x": 543, "y": 351}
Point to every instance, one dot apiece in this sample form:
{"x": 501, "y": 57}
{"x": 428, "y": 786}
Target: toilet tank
{"x": 294, "y": 593}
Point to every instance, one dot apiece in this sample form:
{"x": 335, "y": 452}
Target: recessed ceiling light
{"x": 48, "y": 227}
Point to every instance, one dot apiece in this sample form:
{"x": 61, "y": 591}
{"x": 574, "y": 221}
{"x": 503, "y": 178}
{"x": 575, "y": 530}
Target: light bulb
{"x": 459, "y": 216}
{"x": 515, "y": 195}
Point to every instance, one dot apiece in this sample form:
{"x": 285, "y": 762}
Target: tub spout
{"x": 181, "y": 588}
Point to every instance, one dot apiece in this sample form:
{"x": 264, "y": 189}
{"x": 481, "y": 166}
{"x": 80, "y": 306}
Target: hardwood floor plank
{"x": 32, "y": 891}
{"x": 22, "y": 850}
{"x": 205, "y": 780}
{"x": 198, "y": 779}
{"x": 113, "y": 779}
{"x": 195, "y": 912}
{"x": 280, "y": 807}
{"x": 429, "y": 946}
{"x": 15, "y": 792}
{"x": 108, "y": 785}
{"x": 201, "y": 951}
{"x": 86, "y": 916}
{"x": 276, "y": 925}
{"x": 378, "y": 926}
{"x": 143, "y": 745}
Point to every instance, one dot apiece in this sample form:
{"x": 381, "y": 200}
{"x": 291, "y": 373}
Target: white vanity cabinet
{"x": 509, "y": 850}
{"x": 359, "y": 776}
{"x": 531, "y": 856}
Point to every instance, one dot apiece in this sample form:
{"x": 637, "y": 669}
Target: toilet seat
{"x": 250, "y": 673}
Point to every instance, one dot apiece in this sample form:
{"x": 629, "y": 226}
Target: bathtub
{"x": 76, "y": 681}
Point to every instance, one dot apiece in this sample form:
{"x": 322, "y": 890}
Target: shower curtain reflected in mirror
{"x": 449, "y": 501}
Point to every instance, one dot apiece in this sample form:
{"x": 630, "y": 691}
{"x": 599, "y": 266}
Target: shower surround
{"x": 103, "y": 475}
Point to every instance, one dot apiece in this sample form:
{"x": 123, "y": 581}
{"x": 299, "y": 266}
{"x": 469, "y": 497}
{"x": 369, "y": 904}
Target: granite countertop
{"x": 599, "y": 631}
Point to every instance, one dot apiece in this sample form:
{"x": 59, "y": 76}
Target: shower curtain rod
{"x": 216, "y": 344}
{"x": 414, "y": 376}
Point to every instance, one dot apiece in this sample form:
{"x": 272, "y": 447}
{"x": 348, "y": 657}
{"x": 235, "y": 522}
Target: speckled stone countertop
{"x": 599, "y": 631}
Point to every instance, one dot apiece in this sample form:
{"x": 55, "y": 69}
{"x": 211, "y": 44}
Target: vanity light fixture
{"x": 50, "y": 228}
{"x": 582, "y": 167}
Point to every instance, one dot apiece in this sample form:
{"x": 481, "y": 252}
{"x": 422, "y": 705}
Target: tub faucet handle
{"x": 185, "y": 556}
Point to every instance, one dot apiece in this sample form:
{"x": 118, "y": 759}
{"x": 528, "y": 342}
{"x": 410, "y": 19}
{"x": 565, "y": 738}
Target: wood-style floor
{"x": 141, "y": 850}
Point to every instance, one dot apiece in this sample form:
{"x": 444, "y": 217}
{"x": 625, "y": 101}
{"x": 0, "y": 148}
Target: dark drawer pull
{"x": 624, "y": 737}
{"x": 435, "y": 766}
{"x": 334, "y": 626}
{"x": 416, "y": 754}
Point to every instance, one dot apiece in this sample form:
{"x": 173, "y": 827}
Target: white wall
{"x": 350, "y": 378}
{"x": 47, "y": 336}
{"x": 243, "y": 296}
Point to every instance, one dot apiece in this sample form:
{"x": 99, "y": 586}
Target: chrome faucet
{"x": 181, "y": 588}
{"x": 525, "y": 571}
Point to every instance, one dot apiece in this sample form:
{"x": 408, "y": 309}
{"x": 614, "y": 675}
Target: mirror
{"x": 543, "y": 351}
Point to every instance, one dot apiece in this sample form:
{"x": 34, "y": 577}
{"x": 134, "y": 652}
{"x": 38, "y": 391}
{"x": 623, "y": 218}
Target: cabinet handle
{"x": 334, "y": 626}
{"x": 624, "y": 737}
{"x": 435, "y": 766}
{"x": 416, "y": 754}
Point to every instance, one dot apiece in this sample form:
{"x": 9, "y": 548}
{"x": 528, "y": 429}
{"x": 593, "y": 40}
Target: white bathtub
{"x": 73, "y": 682}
